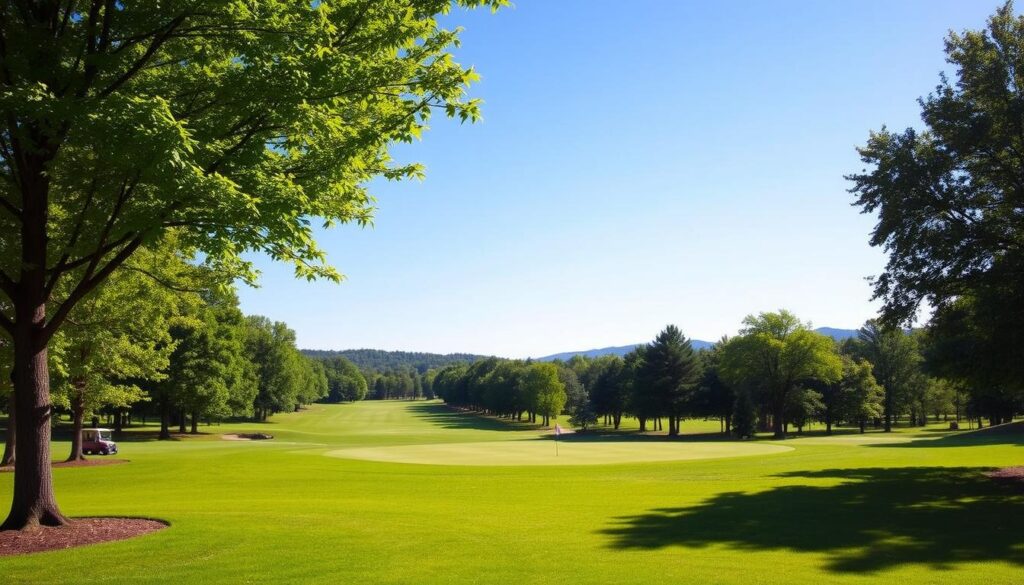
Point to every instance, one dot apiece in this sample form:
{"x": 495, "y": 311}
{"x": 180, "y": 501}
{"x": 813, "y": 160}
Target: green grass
{"x": 912, "y": 507}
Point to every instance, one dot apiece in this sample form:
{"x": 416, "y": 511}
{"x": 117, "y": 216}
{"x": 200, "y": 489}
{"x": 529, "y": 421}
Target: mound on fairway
{"x": 538, "y": 452}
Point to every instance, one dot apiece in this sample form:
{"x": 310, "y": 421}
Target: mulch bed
{"x": 1009, "y": 474}
{"x": 79, "y": 532}
{"x": 84, "y": 463}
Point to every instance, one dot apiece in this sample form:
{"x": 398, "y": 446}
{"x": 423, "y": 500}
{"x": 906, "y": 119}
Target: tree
{"x": 712, "y": 397}
{"x": 776, "y": 351}
{"x": 965, "y": 345}
{"x": 345, "y": 383}
{"x": 6, "y": 359}
{"x": 583, "y": 414}
{"x": 279, "y": 366}
{"x": 235, "y": 123}
{"x": 117, "y": 337}
{"x": 541, "y": 383}
{"x": 575, "y": 394}
{"x": 896, "y": 363}
{"x": 855, "y": 398}
{"x": 802, "y": 405}
{"x": 669, "y": 372}
{"x": 744, "y": 414}
{"x": 611, "y": 388}
{"x": 949, "y": 204}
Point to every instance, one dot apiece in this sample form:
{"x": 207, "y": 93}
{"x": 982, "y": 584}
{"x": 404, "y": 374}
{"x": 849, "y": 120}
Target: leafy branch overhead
{"x": 244, "y": 124}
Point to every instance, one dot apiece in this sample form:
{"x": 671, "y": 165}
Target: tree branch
{"x": 86, "y": 285}
{"x": 162, "y": 281}
{"x": 155, "y": 45}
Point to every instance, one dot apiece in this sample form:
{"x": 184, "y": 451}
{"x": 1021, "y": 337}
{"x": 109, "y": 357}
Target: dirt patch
{"x": 1014, "y": 475}
{"x": 247, "y": 437}
{"x": 78, "y": 532}
{"x": 83, "y": 463}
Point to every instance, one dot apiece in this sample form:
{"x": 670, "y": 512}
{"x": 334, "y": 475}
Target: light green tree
{"x": 776, "y": 351}
{"x": 117, "y": 337}
{"x": 238, "y": 123}
{"x": 540, "y": 383}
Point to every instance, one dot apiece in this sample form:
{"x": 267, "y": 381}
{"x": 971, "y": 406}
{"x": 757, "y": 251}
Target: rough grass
{"x": 831, "y": 510}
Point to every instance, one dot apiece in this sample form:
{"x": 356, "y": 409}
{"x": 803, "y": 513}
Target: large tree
{"x": 547, "y": 393}
{"x": 669, "y": 373}
{"x": 117, "y": 337}
{"x": 776, "y": 352}
{"x": 236, "y": 121}
{"x": 950, "y": 200}
{"x": 896, "y": 362}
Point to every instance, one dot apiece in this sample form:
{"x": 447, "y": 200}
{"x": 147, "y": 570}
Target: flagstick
{"x": 556, "y": 443}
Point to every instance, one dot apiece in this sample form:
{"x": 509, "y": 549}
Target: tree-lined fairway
{"x": 281, "y": 511}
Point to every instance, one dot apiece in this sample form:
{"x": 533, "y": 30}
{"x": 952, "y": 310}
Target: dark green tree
{"x": 670, "y": 372}
{"x": 896, "y": 363}
{"x": 950, "y": 206}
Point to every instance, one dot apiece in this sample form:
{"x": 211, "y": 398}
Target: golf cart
{"x": 98, "y": 441}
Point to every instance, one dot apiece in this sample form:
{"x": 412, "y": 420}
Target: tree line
{"x": 776, "y": 374}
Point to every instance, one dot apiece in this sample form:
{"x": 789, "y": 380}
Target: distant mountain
{"x": 837, "y": 334}
{"x": 834, "y": 333}
{"x": 619, "y": 351}
{"x": 381, "y": 360}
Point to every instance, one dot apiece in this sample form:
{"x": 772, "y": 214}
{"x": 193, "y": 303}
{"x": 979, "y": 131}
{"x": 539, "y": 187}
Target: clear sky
{"x": 639, "y": 164}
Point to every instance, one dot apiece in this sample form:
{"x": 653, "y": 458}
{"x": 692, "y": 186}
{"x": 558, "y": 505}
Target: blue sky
{"x": 638, "y": 164}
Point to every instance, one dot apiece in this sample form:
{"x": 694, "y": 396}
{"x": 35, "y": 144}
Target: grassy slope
{"x": 279, "y": 511}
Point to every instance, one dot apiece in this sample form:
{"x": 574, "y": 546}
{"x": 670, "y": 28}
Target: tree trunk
{"x": 181, "y": 422}
{"x": 10, "y": 440}
{"x": 118, "y": 421}
{"x": 165, "y": 420}
{"x": 862, "y": 424}
{"x": 778, "y": 418}
{"x": 617, "y": 419}
{"x": 888, "y": 411}
{"x": 77, "y": 417}
{"x": 33, "y": 503}
{"x": 195, "y": 423}
{"x": 643, "y": 424}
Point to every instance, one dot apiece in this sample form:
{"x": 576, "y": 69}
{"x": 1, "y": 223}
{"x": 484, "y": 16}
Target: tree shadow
{"x": 622, "y": 436}
{"x": 450, "y": 418}
{"x": 873, "y": 519}
{"x": 1010, "y": 434}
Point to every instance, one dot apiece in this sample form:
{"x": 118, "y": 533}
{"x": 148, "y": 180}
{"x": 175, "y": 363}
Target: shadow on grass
{"x": 873, "y": 519}
{"x": 450, "y": 418}
{"x": 598, "y": 435}
{"x": 446, "y": 417}
{"x": 1008, "y": 434}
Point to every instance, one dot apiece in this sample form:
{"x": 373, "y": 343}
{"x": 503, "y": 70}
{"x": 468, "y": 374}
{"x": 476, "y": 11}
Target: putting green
{"x": 536, "y": 452}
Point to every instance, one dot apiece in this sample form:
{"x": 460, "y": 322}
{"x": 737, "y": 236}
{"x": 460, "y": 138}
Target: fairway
{"x": 823, "y": 510}
{"x": 569, "y": 452}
